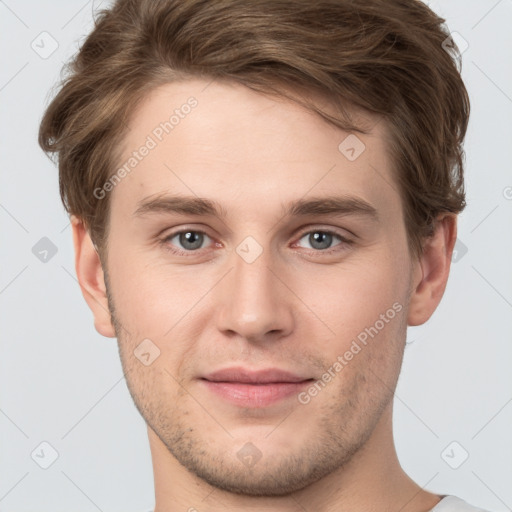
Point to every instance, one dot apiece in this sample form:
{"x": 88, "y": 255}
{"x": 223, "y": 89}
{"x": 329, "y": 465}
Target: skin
{"x": 295, "y": 307}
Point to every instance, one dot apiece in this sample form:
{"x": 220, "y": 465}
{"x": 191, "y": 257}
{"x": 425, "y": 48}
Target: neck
{"x": 372, "y": 480}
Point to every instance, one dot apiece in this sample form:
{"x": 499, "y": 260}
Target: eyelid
{"x": 344, "y": 241}
{"x": 165, "y": 240}
{"x": 324, "y": 229}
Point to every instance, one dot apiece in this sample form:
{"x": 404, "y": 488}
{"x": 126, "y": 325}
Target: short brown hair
{"x": 392, "y": 58}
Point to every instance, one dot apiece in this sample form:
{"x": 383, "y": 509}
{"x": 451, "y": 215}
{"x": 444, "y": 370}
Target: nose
{"x": 254, "y": 302}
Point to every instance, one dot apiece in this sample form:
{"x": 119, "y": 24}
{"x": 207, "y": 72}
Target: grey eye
{"x": 320, "y": 240}
{"x": 189, "y": 240}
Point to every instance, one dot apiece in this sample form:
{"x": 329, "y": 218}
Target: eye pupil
{"x": 320, "y": 240}
{"x": 191, "y": 240}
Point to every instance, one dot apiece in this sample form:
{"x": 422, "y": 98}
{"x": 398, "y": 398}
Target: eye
{"x": 322, "y": 240}
{"x": 185, "y": 241}
{"x": 188, "y": 241}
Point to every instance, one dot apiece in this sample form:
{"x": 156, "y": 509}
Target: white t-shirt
{"x": 454, "y": 504}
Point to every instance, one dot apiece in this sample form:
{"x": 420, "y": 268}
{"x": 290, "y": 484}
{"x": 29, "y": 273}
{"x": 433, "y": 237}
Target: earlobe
{"x": 91, "y": 278}
{"x": 432, "y": 270}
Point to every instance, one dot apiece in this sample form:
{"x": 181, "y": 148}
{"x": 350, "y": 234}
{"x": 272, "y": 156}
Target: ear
{"x": 432, "y": 270}
{"x": 91, "y": 278}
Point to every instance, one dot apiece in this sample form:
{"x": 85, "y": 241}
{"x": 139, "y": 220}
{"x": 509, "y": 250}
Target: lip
{"x": 254, "y": 388}
{"x": 265, "y": 376}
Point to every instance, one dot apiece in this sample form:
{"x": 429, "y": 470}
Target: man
{"x": 264, "y": 196}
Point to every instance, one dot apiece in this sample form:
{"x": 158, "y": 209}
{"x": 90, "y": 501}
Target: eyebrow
{"x": 189, "y": 205}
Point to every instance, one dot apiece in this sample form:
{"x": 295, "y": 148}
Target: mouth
{"x": 261, "y": 388}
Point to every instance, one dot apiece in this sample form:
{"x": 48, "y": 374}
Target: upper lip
{"x": 264, "y": 376}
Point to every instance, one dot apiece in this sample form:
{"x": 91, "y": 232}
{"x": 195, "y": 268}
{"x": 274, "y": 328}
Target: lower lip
{"x": 256, "y": 395}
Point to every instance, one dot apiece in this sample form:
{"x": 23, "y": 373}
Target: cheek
{"x": 152, "y": 298}
{"x": 351, "y": 296}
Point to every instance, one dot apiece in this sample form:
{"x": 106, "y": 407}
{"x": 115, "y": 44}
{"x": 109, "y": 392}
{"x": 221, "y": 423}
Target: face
{"x": 259, "y": 279}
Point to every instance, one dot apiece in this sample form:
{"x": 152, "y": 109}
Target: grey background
{"x": 61, "y": 382}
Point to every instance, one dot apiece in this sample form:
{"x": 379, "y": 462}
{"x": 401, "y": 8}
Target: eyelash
{"x": 344, "y": 242}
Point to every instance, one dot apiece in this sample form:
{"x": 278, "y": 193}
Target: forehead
{"x": 226, "y": 142}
